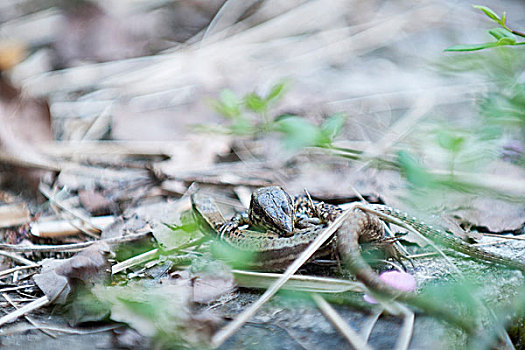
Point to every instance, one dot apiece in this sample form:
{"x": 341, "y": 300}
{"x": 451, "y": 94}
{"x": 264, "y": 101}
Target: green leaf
{"x": 85, "y": 307}
{"x": 450, "y": 142}
{"x": 143, "y": 306}
{"x": 242, "y": 259}
{"x": 491, "y": 14}
{"x": 242, "y": 126}
{"x": 415, "y": 173}
{"x": 228, "y": 104}
{"x": 168, "y": 238}
{"x": 277, "y": 92}
{"x": 506, "y": 41}
{"x": 229, "y": 98}
{"x": 333, "y": 126}
{"x": 298, "y": 132}
{"x": 502, "y": 33}
{"x": 255, "y": 103}
{"x": 472, "y": 47}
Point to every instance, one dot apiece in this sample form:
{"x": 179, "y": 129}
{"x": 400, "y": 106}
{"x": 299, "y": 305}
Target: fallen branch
{"x": 24, "y": 310}
{"x": 71, "y": 247}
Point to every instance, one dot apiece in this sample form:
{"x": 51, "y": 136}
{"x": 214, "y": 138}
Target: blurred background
{"x": 148, "y": 71}
{"x": 107, "y": 105}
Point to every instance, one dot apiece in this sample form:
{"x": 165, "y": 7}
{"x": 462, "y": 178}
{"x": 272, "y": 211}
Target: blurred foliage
{"x": 504, "y": 35}
{"x": 496, "y": 132}
{"x": 143, "y": 306}
{"x": 249, "y": 115}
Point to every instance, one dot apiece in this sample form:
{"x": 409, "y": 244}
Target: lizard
{"x": 289, "y": 225}
{"x": 275, "y": 249}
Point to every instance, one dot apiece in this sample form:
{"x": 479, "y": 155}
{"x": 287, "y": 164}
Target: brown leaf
{"x": 54, "y": 286}
{"x": 58, "y": 278}
{"x": 210, "y": 280}
{"x": 88, "y": 33}
{"x": 25, "y": 122}
{"x": 128, "y": 338}
{"x": 494, "y": 215}
{"x": 94, "y": 202}
{"x": 209, "y": 288}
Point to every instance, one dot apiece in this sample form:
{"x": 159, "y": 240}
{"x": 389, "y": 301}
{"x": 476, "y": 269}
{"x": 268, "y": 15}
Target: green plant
{"x": 249, "y": 115}
{"x": 503, "y": 34}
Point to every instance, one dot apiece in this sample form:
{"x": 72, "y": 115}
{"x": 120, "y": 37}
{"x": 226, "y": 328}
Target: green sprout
{"x": 250, "y": 115}
{"x": 504, "y": 35}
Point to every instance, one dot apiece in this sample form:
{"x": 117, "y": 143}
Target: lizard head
{"x": 271, "y": 207}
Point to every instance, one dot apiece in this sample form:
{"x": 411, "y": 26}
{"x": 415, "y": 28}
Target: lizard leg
{"x": 240, "y": 219}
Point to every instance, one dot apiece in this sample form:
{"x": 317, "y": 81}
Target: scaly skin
{"x": 274, "y": 251}
{"x": 448, "y": 240}
{"x": 272, "y": 208}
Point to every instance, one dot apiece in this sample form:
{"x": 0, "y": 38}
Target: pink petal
{"x": 396, "y": 279}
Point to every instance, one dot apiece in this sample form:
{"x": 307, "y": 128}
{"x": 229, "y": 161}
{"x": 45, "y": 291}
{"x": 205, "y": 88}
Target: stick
{"x": 60, "y": 228}
{"x": 32, "y": 306}
{"x": 71, "y": 247}
{"x": 354, "y": 339}
{"x": 18, "y": 268}
{"x": 29, "y": 319}
{"x": 18, "y": 258}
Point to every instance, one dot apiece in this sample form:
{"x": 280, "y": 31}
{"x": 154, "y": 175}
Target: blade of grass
{"x": 353, "y": 338}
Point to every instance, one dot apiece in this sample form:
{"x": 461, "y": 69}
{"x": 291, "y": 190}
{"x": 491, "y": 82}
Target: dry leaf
{"x": 209, "y": 281}
{"x": 58, "y": 278}
{"x": 128, "y": 338}
{"x": 494, "y": 215}
{"x": 94, "y": 202}
{"x": 25, "y": 122}
{"x": 88, "y": 33}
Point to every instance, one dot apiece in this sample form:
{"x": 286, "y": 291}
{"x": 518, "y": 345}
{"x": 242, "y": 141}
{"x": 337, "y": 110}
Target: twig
{"x": 99, "y": 125}
{"x": 369, "y": 326}
{"x": 82, "y": 331}
{"x": 46, "y": 191}
{"x": 11, "y": 289}
{"x": 152, "y": 254}
{"x": 407, "y": 329}
{"x": 229, "y": 12}
{"x": 32, "y": 306}
{"x": 73, "y": 247}
{"x": 6, "y": 157}
{"x": 60, "y": 228}
{"x": 354, "y": 339}
{"x": 504, "y": 237}
{"x": 29, "y": 319}
{"x": 400, "y": 129}
{"x": 18, "y": 268}
{"x": 303, "y": 283}
{"x": 505, "y": 184}
{"x": 138, "y": 259}
{"x": 18, "y": 258}
{"x": 66, "y": 330}
{"x": 14, "y": 214}
{"x": 424, "y": 255}
{"x": 220, "y": 337}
